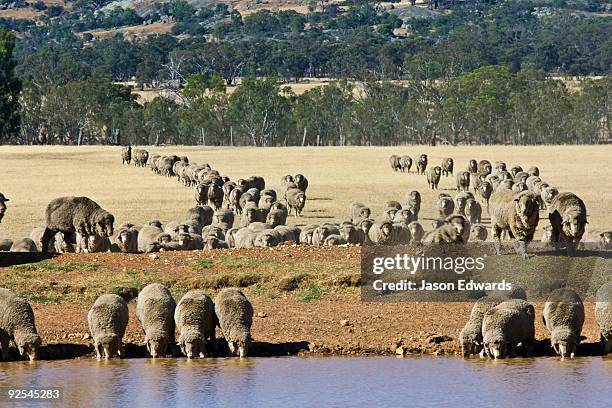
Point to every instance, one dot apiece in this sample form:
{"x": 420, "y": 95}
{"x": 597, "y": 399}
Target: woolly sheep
{"x": 460, "y": 200}
{"x": 147, "y": 238}
{"x": 245, "y": 238}
{"x": 454, "y": 230}
{"x": 603, "y": 314}
{"x": 404, "y": 216}
{"x": 155, "y": 312}
{"x": 533, "y": 171}
{"x": 563, "y": 317}
{"x": 547, "y": 195}
{"x": 288, "y": 233}
{"x": 3, "y": 200}
{"x": 421, "y": 164}
{"x": 358, "y": 211}
{"x": 235, "y": 315}
{"x": 413, "y": 202}
{"x": 478, "y": 232}
{"x": 568, "y": 217}
{"x": 484, "y": 166}
{"x": 296, "y": 200}
{"x": 301, "y": 182}
{"x": 307, "y": 233}
{"x": 463, "y": 181}
{"x": 433, "y": 177}
{"x": 472, "y": 166}
{"x": 200, "y": 193}
{"x": 517, "y": 213}
{"x": 351, "y": 234}
{"x": 267, "y": 238}
{"x": 394, "y": 161}
{"x": 195, "y": 321}
{"x": 17, "y": 323}
{"x": 92, "y": 243}
{"x": 24, "y": 245}
{"x": 202, "y": 214}
{"x": 416, "y": 231}
{"x": 447, "y": 166}
{"x": 75, "y": 214}
{"x": 190, "y": 242}
{"x": 322, "y": 232}
{"x": 507, "y": 324}
{"x": 381, "y": 233}
{"x": 125, "y": 239}
{"x": 473, "y": 211}
{"x": 405, "y": 163}
{"x": 446, "y": 206}
{"x": 215, "y": 196}
{"x": 107, "y": 320}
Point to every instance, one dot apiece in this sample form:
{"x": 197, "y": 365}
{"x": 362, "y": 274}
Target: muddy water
{"x": 320, "y": 382}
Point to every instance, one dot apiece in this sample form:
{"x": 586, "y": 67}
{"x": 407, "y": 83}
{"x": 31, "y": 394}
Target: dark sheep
{"x": 3, "y": 200}
{"x": 76, "y": 214}
{"x": 413, "y": 202}
{"x": 421, "y": 164}
{"x": 301, "y": 182}
{"x": 433, "y": 177}
{"x": 126, "y": 155}
{"x": 472, "y": 166}
{"x": 484, "y": 166}
{"x": 463, "y": 181}
{"x": 447, "y": 166}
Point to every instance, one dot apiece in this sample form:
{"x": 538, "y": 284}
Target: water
{"x": 319, "y": 382}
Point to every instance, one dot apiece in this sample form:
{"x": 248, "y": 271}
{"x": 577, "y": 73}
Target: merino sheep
{"x": 201, "y": 194}
{"x": 203, "y": 215}
{"x": 215, "y": 196}
{"x": 190, "y": 242}
{"x": 485, "y": 191}
{"x": 17, "y": 324}
{"x": 506, "y": 325}
{"x": 470, "y": 336}
{"x": 245, "y": 238}
{"x": 568, "y": 217}
{"x": 147, "y": 239}
{"x": 334, "y": 240}
{"x": 447, "y": 166}
{"x": 404, "y": 216}
{"x": 358, "y": 212}
{"x": 453, "y": 231}
{"x": 235, "y": 315}
{"x": 301, "y": 182}
{"x": 322, "y": 232}
{"x": 107, "y": 320}
{"x": 75, "y": 214}
{"x": 352, "y": 234}
{"x": 472, "y": 166}
{"x": 3, "y": 200}
{"x": 126, "y": 155}
{"x": 460, "y": 200}
{"x": 533, "y": 171}
{"x": 484, "y": 167}
{"x": 446, "y": 206}
{"x": 603, "y": 314}
{"x": 547, "y": 195}
{"x": 514, "y": 170}
{"x": 478, "y": 232}
{"x": 516, "y": 213}
{"x": 394, "y": 161}
{"x": 307, "y": 233}
{"x": 125, "y": 239}
{"x": 92, "y": 243}
{"x": 296, "y": 200}
{"x": 563, "y": 317}
{"x": 433, "y": 177}
{"x": 24, "y": 245}
{"x": 155, "y": 312}
{"x": 381, "y": 233}
{"x": 195, "y": 321}
{"x": 288, "y": 233}
{"x": 473, "y": 211}
{"x": 421, "y": 164}
{"x": 463, "y": 181}
{"x": 413, "y": 202}
{"x": 416, "y": 231}
{"x": 405, "y": 163}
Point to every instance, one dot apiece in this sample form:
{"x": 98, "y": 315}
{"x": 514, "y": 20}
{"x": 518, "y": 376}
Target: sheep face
{"x": 107, "y": 346}
{"x": 573, "y": 224}
{"x": 156, "y": 345}
{"x": 184, "y": 240}
{"x": 469, "y": 346}
{"x": 104, "y": 226}
{"x": 386, "y": 229}
{"x": 458, "y": 224}
{"x": 496, "y": 347}
{"x": 192, "y": 345}
{"x": 605, "y": 238}
{"x": 564, "y": 342}
{"x": 28, "y": 345}
{"x": 268, "y": 240}
{"x": 526, "y": 205}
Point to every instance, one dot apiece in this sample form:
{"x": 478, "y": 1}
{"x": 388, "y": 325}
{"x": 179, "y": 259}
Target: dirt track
{"x": 306, "y": 300}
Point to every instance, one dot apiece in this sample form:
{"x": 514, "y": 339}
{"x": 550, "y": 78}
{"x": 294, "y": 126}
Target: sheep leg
{"x": 497, "y": 230}
{"x": 4, "y": 344}
{"x": 521, "y": 249}
{"x": 46, "y": 239}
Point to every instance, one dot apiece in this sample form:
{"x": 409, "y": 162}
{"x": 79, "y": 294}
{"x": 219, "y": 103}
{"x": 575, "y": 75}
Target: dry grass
{"x": 33, "y": 176}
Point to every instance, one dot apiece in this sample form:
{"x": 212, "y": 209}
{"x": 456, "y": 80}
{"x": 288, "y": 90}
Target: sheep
{"x": 463, "y": 181}
{"x": 322, "y": 232}
{"x": 518, "y": 187}
{"x": 563, "y": 317}
{"x": 307, "y": 233}
{"x": 400, "y": 234}
{"x": 499, "y": 166}
{"x": 603, "y": 314}
{"x": 5, "y": 245}
{"x": 413, "y": 202}
{"x": 125, "y": 239}
{"x": 547, "y": 195}
{"x": 140, "y": 157}
{"x": 24, "y": 245}
{"x": 388, "y": 213}
{"x": 533, "y": 171}
{"x": 478, "y": 232}
{"x": 517, "y": 213}
{"x": 358, "y": 212}
{"x": 473, "y": 211}
{"x": 215, "y": 196}
{"x": 224, "y": 216}
{"x": 203, "y": 215}
{"x": 234, "y": 200}
{"x": 568, "y": 217}
{"x": 287, "y": 179}
{"x": 277, "y": 217}
{"x": 421, "y": 164}
{"x": 484, "y": 167}
{"x": 17, "y": 323}
{"x": 245, "y": 238}
{"x": 505, "y": 185}
{"x": 446, "y": 206}
{"x": 3, "y": 200}
{"x": 301, "y": 182}
{"x": 394, "y": 161}
{"x": 520, "y": 177}
{"x": 381, "y": 233}
{"x": 405, "y": 163}
{"x": 470, "y": 336}
{"x": 195, "y": 321}
{"x": 288, "y": 233}
{"x": 296, "y": 200}
{"x": 256, "y": 182}
{"x": 126, "y": 155}
{"x": 404, "y": 216}
{"x": 147, "y": 239}
{"x": 433, "y": 177}
{"x": 507, "y": 324}
{"x": 472, "y": 166}
{"x": 531, "y": 181}
{"x": 460, "y": 200}
{"x": 249, "y": 196}
{"x": 485, "y": 190}
{"x": 252, "y": 214}
{"x": 351, "y": 234}
{"x": 75, "y": 214}
{"x": 514, "y": 170}
{"x": 92, "y": 243}
{"x": 107, "y": 320}
{"x": 453, "y": 231}
{"x": 267, "y": 238}
{"x": 334, "y": 240}
{"x": 155, "y": 312}
{"x": 416, "y": 231}
{"x": 201, "y": 194}
{"x": 266, "y": 201}
{"x": 447, "y": 166}
{"x": 190, "y": 242}
{"x": 602, "y": 238}
{"x": 235, "y": 315}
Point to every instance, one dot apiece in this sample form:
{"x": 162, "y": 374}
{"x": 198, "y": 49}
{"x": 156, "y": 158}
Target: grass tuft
{"x": 312, "y": 292}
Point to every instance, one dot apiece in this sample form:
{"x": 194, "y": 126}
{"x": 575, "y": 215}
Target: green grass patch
{"x": 46, "y": 299}
{"x": 242, "y": 262}
{"x": 289, "y": 283}
{"x": 202, "y": 263}
{"x": 312, "y": 292}
{"x": 67, "y": 267}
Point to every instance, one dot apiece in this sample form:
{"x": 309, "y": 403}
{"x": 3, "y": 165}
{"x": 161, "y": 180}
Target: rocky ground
{"x": 306, "y": 301}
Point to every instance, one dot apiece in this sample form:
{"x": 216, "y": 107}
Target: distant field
{"x": 32, "y": 176}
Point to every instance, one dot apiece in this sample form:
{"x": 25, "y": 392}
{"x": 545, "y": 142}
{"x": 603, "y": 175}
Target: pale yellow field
{"x": 32, "y": 176}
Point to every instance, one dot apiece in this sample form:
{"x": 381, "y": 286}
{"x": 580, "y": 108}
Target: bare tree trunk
{"x": 304, "y": 137}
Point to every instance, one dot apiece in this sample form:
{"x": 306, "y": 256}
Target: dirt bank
{"x": 306, "y": 300}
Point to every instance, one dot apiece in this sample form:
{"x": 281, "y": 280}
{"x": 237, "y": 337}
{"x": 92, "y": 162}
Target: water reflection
{"x": 282, "y": 382}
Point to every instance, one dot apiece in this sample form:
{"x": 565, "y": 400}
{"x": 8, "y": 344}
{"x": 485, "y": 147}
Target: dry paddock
{"x": 32, "y": 176}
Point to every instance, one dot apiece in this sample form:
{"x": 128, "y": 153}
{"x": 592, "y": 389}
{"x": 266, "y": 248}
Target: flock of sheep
{"x": 195, "y": 317}
{"x": 498, "y": 324}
